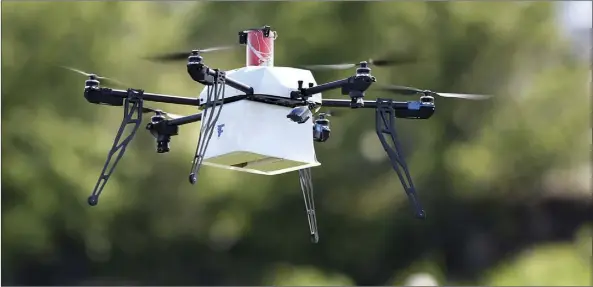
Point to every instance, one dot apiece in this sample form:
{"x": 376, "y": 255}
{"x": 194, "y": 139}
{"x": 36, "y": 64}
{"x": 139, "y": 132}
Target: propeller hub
{"x": 427, "y": 99}
{"x": 91, "y": 83}
{"x": 195, "y": 58}
{"x": 363, "y": 69}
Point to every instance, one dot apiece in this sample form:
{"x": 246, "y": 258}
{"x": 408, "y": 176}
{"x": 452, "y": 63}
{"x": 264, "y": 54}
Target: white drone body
{"x": 256, "y": 137}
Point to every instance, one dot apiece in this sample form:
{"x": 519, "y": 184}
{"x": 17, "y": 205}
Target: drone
{"x": 263, "y": 119}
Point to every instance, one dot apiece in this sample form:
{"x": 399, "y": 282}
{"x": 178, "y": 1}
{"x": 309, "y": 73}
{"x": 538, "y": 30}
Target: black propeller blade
{"x": 95, "y": 76}
{"x": 385, "y": 62}
{"x": 157, "y": 111}
{"x": 178, "y": 56}
{"x": 402, "y": 90}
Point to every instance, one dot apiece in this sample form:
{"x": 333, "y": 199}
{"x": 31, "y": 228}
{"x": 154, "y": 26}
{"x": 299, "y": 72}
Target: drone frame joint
{"x": 243, "y": 34}
{"x": 134, "y": 95}
{"x": 200, "y": 73}
{"x": 219, "y": 77}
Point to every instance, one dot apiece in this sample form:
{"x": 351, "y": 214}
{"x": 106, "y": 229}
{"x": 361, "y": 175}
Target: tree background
{"x": 505, "y": 182}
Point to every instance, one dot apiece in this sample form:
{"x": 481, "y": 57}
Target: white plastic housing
{"x": 257, "y": 137}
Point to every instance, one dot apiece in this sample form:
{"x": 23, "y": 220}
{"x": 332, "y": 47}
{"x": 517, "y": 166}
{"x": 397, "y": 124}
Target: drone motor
{"x": 321, "y": 128}
{"x": 358, "y": 84}
{"x": 92, "y": 82}
{"x": 161, "y": 131}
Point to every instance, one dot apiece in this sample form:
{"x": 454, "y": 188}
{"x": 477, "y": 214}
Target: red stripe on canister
{"x": 260, "y": 49}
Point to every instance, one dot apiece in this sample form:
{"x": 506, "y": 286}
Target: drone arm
{"x": 208, "y": 77}
{"x": 338, "y": 103}
{"x": 325, "y": 87}
{"x": 116, "y": 97}
{"x": 185, "y": 120}
{"x": 406, "y": 110}
{"x": 233, "y": 83}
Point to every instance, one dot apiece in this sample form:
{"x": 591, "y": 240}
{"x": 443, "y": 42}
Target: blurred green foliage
{"x": 502, "y": 180}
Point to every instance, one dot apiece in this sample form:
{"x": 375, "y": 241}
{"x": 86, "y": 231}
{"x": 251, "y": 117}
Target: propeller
{"x": 94, "y": 76}
{"x": 178, "y": 56}
{"x": 157, "y": 111}
{"x": 413, "y": 91}
{"x": 385, "y": 62}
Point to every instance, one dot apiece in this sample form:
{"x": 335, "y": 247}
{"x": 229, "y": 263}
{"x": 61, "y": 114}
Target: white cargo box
{"x": 256, "y": 137}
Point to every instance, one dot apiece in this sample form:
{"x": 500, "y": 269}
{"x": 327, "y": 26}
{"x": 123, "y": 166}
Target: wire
{"x": 215, "y": 95}
{"x": 308, "y": 195}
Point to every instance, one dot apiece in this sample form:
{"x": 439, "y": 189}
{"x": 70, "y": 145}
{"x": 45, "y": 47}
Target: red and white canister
{"x": 259, "y": 48}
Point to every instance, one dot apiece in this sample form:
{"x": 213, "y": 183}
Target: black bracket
{"x": 308, "y": 195}
{"x": 266, "y": 31}
{"x": 132, "y": 107}
{"x": 242, "y": 38}
{"x": 354, "y": 87}
{"x": 385, "y": 125}
{"x": 243, "y": 34}
{"x": 199, "y": 73}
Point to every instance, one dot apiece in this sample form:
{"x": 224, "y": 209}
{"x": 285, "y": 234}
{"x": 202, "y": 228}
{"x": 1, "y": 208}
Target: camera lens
{"x": 162, "y": 145}
{"x": 321, "y": 132}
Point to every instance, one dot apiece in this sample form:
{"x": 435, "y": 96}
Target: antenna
{"x": 259, "y": 46}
